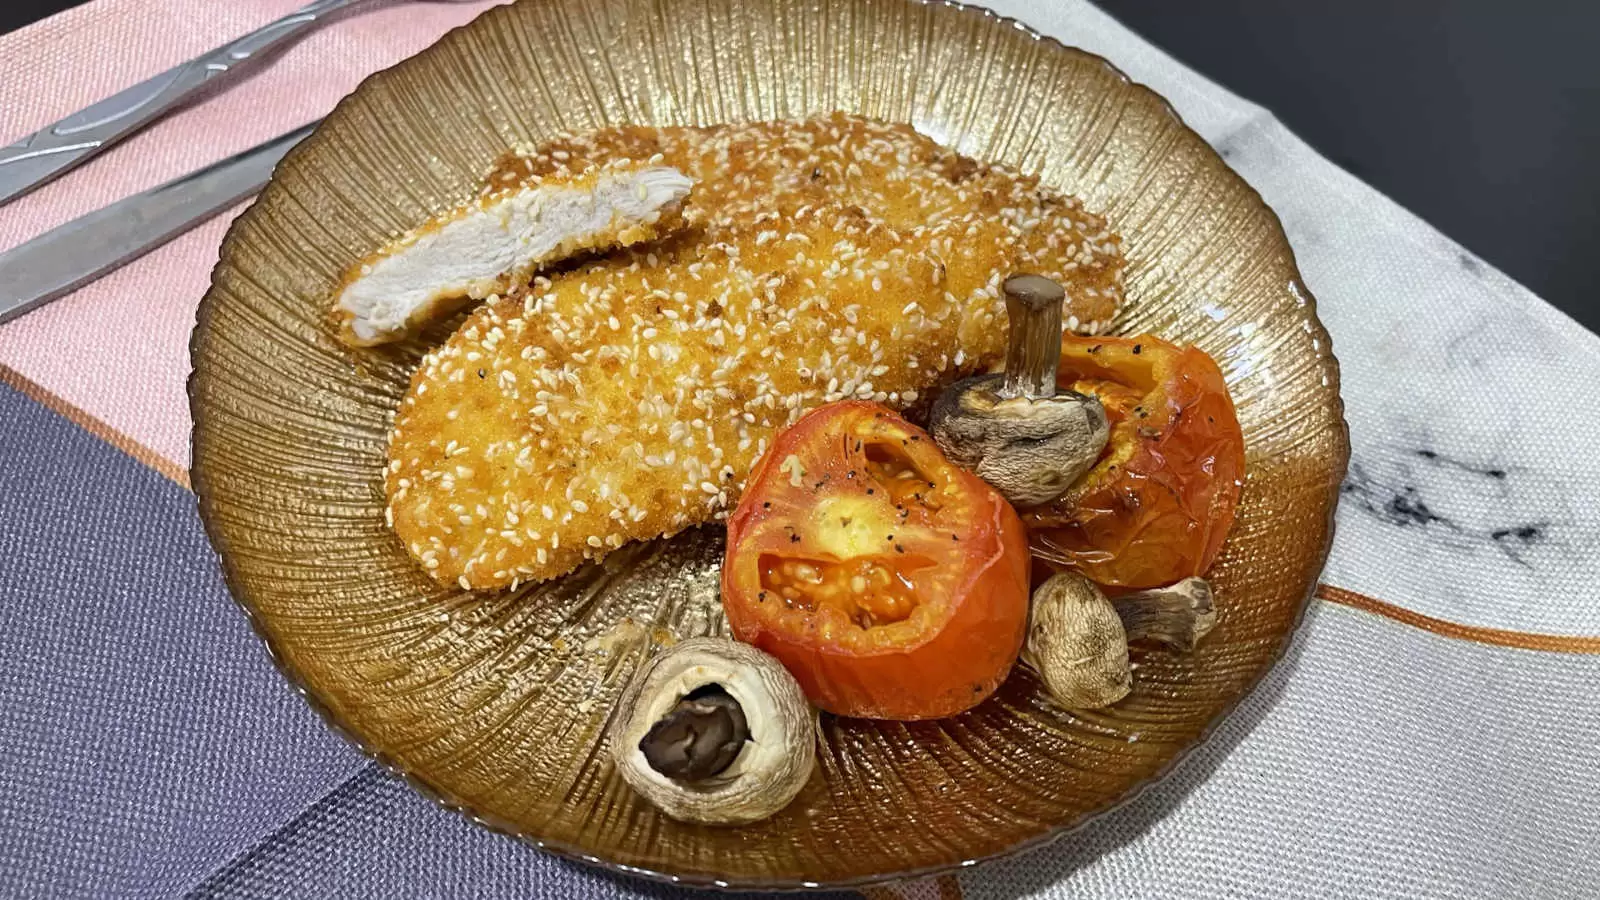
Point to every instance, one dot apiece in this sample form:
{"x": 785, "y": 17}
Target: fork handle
{"x": 47, "y": 153}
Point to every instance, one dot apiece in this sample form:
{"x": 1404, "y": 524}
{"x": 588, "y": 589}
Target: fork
{"x": 49, "y": 152}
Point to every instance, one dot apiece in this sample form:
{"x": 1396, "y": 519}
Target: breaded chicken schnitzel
{"x": 629, "y": 398}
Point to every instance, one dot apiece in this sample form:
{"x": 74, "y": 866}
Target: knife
{"x": 66, "y": 258}
{"x": 47, "y": 153}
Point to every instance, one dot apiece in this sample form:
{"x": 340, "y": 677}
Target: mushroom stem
{"x": 1033, "y": 305}
{"x": 1177, "y": 616}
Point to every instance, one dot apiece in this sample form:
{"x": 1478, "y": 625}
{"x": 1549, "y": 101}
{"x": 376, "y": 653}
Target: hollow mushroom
{"x": 1078, "y": 639}
{"x": 715, "y": 732}
{"x": 1016, "y": 431}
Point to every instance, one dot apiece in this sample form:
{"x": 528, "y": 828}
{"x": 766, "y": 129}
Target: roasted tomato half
{"x": 891, "y": 583}
{"x": 1156, "y": 507}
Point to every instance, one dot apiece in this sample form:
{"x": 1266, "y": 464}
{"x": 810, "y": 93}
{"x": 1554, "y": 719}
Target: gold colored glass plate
{"x": 496, "y": 705}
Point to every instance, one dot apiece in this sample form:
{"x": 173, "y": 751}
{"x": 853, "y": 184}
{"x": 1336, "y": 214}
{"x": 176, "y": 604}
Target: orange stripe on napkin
{"x": 94, "y": 426}
{"x": 1521, "y": 640}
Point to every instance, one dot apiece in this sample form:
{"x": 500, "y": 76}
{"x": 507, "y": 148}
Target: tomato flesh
{"x": 890, "y": 582}
{"x": 870, "y": 591}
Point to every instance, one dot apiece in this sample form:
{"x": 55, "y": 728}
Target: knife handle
{"x": 47, "y": 153}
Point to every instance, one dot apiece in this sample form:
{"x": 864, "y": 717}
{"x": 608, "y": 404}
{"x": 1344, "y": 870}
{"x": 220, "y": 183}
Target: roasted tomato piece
{"x": 890, "y": 582}
{"x": 1156, "y": 507}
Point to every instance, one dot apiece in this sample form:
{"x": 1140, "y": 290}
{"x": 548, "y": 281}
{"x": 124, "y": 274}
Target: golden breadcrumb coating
{"x": 629, "y": 398}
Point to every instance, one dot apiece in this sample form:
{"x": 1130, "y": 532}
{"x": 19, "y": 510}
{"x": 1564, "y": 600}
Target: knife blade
{"x": 47, "y": 153}
{"x": 66, "y": 258}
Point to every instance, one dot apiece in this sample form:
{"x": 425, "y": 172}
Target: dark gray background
{"x": 1481, "y": 116}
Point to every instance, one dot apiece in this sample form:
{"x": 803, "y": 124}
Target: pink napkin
{"x": 115, "y": 353}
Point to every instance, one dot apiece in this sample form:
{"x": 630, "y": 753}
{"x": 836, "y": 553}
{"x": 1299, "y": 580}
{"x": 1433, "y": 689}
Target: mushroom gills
{"x": 699, "y": 738}
{"x": 1030, "y": 450}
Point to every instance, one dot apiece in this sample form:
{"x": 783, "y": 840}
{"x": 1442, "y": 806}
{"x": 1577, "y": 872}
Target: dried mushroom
{"x": 1078, "y": 639}
{"x": 1177, "y": 616}
{"x": 1077, "y": 643}
{"x": 1015, "y": 430}
{"x": 716, "y": 732}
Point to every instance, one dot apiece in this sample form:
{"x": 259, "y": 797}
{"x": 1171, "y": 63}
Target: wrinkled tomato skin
{"x": 953, "y": 670}
{"x": 946, "y": 665}
{"x": 1157, "y": 507}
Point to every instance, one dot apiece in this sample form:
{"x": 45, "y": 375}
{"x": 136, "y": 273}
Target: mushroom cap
{"x": 774, "y": 764}
{"x": 1077, "y": 644}
{"x": 1030, "y": 450}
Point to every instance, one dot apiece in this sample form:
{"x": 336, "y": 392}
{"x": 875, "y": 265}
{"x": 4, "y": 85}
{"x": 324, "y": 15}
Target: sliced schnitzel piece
{"x": 498, "y": 241}
{"x": 630, "y": 398}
